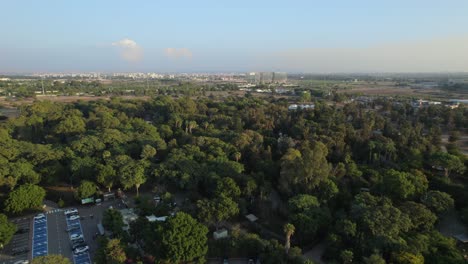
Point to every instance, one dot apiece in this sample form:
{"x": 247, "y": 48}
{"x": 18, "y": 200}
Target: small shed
{"x": 252, "y": 218}
{"x": 221, "y": 233}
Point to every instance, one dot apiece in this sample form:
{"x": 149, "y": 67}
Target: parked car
{"x": 71, "y": 228}
{"x": 22, "y": 230}
{"x": 22, "y": 262}
{"x": 71, "y": 211}
{"x": 75, "y": 236}
{"x": 81, "y": 250}
{"x": 19, "y": 251}
{"x": 77, "y": 242}
{"x": 74, "y": 224}
{"x": 73, "y": 217}
{"x": 79, "y": 245}
{"x": 39, "y": 217}
{"x": 157, "y": 199}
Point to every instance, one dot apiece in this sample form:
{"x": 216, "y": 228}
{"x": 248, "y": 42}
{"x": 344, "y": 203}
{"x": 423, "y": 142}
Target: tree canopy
{"x": 25, "y": 197}
{"x": 184, "y": 239}
{"x": 58, "y": 259}
{"x": 7, "y": 229}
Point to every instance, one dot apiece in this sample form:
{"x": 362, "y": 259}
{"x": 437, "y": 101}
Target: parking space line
{"x": 39, "y": 239}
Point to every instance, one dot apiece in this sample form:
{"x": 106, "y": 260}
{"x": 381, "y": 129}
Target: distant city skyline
{"x": 242, "y": 36}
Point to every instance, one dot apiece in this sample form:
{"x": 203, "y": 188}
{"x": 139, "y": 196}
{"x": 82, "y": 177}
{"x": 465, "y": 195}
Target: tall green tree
{"x": 132, "y": 175}
{"x": 112, "y": 220}
{"x": 450, "y": 163}
{"x": 438, "y": 201}
{"x": 106, "y": 176}
{"x": 303, "y": 170}
{"x": 56, "y": 259}
{"x": 25, "y": 197}
{"x": 216, "y": 210}
{"x": 147, "y": 152}
{"x": 114, "y": 252}
{"x": 184, "y": 239}
{"x": 422, "y": 219}
{"x": 86, "y": 189}
{"x": 7, "y": 229}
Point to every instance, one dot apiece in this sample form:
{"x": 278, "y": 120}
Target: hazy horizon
{"x": 208, "y": 36}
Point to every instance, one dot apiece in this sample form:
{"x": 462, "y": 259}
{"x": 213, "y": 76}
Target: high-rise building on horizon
{"x": 267, "y": 77}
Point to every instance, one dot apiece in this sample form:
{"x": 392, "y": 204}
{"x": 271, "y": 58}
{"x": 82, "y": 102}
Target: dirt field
{"x": 393, "y": 90}
{"x": 389, "y": 89}
{"x": 63, "y": 99}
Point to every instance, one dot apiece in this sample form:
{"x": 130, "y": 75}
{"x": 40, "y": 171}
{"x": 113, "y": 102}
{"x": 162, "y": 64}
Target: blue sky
{"x": 195, "y": 36}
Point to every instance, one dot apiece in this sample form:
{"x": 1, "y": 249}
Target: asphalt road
{"x": 89, "y": 224}
{"x": 58, "y": 237}
{"x": 18, "y": 241}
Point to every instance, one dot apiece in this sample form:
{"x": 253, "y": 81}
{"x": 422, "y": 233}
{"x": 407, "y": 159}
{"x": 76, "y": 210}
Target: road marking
{"x": 59, "y": 240}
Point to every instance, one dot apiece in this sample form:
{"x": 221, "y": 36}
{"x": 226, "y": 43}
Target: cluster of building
{"x": 141, "y": 75}
{"x": 452, "y": 103}
{"x": 266, "y": 77}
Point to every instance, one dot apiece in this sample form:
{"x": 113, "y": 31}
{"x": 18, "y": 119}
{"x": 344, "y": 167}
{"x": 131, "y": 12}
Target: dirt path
{"x": 450, "y": 224}
{"x": 315, "y": 254}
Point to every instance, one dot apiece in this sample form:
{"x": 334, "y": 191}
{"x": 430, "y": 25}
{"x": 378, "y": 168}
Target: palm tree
{"x": 237, "y": 156}
{"x": 289, "y": 231}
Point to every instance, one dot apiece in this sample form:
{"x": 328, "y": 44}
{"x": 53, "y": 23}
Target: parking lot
{"x": 20, "y": 241}
{"x": 49, "y": 235}
{"x": 39, "y": 238}
{"x": 82, "y": 258}
{"x": 59, "y": 238}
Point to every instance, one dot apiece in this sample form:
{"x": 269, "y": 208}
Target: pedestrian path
{"x": 54, "y": 211}
{"x": 39, "y": 241}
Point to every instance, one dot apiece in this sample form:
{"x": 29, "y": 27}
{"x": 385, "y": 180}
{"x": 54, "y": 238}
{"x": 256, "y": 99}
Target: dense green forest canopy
{"x": 369, "y": 180}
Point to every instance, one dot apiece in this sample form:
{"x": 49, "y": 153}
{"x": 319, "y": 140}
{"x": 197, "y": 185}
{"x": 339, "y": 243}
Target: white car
{"x": 76, "y": 236}
{"x": 81, "y": 250}
{"x": 74, "y": 217}
{"x": 22, "y": 262}
{"x": 71, "y": 211}
{"x": 39, "y": 217}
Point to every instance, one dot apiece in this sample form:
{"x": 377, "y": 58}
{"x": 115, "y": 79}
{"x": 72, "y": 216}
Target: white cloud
{"x": 175, "y": 53}
{"x": 432, "y": 55}
{"x": 129, "y": 50}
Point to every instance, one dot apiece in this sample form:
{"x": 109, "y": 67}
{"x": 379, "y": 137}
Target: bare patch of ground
{"x": 315, "y": 254}
{"x": 462, "y": 143}
{"x": 63, "y": 99}
{"x": 450, "y": 224}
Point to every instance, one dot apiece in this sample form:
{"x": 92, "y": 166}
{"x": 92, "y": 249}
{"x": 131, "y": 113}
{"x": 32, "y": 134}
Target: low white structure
{"x": 301, "y": 106}
{"x": 153, "y": 218}
{"x": 251, "y": 217}
{"x": 222, "y": 233}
